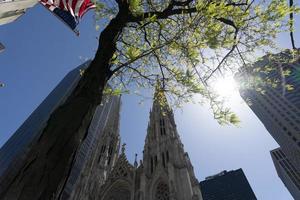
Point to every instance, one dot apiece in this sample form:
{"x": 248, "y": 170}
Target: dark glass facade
{"x": 232, "y": 185}
{"x": 15, "y": 150}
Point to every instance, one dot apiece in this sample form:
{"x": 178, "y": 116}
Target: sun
{"x": 225, "y": 87}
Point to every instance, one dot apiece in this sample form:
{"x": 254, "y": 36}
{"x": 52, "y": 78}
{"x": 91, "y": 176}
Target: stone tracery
{"x": 119, "y": 191}
{"x": 164, "y": 163}
{"x": 162, "y": 192}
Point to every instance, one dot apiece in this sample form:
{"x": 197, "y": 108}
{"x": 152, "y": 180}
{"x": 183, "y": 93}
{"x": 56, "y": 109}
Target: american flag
{"x": 70, "y": 11}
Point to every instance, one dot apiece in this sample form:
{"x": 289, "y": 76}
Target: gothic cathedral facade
{"x": 165, "y": 173}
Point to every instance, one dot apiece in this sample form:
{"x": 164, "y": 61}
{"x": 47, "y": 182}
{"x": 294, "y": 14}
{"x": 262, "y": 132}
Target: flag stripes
{"x": 70, "y": 11}
{"x": 76, "y": 7}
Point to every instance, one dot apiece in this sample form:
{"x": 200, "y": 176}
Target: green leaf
{"x": 135, "y": 6}
{"x": 234, "y": 119}
{"x": 133, "y": 52}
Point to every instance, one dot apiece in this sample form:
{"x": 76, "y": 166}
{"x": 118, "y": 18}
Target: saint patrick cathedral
{"x": 165, "y": 173}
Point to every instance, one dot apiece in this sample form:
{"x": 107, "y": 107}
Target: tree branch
{"x": 292, "y": 25}
{"x": 227, "y": 55}
{"x": 170, "y": 11}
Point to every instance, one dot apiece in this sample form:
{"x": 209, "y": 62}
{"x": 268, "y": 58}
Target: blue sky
{"x": 40, "y": 50}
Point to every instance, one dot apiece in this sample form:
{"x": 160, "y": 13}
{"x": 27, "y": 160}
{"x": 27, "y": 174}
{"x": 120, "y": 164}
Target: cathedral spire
{"x": 164, "y": 158}
{"x": 159, "y": 98}
{"x": 162, "y": 137}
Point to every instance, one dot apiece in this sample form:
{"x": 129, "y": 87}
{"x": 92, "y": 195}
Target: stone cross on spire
{"x": 135, "y": 161}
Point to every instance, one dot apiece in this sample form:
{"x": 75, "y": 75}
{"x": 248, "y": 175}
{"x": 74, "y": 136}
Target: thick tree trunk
{"x": 46, "y": 169}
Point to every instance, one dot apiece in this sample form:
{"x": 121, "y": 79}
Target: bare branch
{"x": 292, "y": 25}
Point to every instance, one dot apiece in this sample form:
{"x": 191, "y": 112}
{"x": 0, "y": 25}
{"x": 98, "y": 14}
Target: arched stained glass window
{"x": 162, "y": 192}
{"x": 120, "y": 191}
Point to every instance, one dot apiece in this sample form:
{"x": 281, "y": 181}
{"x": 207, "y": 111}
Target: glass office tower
{"x": 105, "y": 122}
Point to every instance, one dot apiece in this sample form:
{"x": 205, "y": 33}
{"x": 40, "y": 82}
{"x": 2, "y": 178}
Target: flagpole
{"x": 73, "y": 30}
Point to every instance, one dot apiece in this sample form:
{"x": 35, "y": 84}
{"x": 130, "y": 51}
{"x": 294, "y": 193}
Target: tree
{"x": 292, "y": 26}
{"x": 183, "y": 43}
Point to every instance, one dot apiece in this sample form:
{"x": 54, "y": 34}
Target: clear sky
{"x": 40, "y": 50}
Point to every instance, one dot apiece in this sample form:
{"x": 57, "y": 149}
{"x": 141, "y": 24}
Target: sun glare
{"x": 225, "y": 87}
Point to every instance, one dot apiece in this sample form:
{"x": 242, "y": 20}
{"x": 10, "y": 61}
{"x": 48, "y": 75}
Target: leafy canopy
{"x": 187, "y": 44}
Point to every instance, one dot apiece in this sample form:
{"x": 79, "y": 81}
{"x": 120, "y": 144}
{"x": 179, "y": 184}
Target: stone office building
{"x": 277, "y": 107}
{"x": 286, "y": 172}
{"x": 11, "y": 10}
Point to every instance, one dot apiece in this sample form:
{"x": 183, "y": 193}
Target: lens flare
{"x": 225, "y": 87}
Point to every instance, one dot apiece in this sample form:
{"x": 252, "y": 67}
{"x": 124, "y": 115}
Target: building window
{"x": 101, "y": 152}
{"x": 167, "y": 156}
{"x": 110, "y": 150}
{"x": 163, "y": 159}
{"x": 275, "y": 154}
{"x": 162, "y": 127}
{"x": 162, "y": 192}
{"x": 151, "y": 165}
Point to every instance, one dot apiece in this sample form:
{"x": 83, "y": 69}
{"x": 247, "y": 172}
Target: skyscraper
{"x": 103, "y": 130}
{"x": 10, "y": 10}
{"x": 227, "y": 186}
{"x": 278, "y": 107}
{"x": 15, "y": 149}
{"x": 287, "y": 172}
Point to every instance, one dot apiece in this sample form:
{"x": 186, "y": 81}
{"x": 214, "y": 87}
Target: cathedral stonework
{"x": 165, "y": 173}
{"x": 104, "y": 147}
